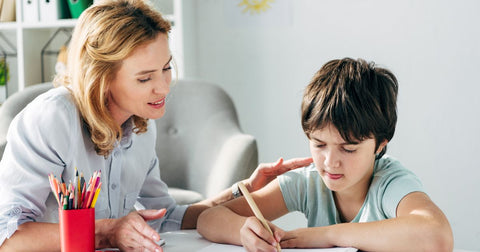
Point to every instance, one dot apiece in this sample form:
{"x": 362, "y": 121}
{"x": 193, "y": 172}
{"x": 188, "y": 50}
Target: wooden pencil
{"x": 256, "y": 211}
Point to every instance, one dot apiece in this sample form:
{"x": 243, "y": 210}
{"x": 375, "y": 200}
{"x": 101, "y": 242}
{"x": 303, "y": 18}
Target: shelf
{"x": 61, "y": 23}
{"x": 8, "y": 25}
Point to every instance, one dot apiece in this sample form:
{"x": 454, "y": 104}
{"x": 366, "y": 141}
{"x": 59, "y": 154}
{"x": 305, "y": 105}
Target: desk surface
{"x": 190, "y": 240}
{"x": 184, "y": 240}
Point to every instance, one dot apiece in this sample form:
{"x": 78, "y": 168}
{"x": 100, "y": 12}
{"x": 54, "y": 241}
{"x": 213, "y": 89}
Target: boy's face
{"x": 344, "y": 167}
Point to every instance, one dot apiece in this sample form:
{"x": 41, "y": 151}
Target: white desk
{"x": 190, "y": 240}
{"x": 183, "y": 240}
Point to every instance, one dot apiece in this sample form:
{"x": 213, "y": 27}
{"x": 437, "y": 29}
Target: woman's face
{"x": 344, "y": 167}
{"x": 142, "y": 82}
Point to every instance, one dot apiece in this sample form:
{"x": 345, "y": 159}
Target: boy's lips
{"x": 333, "y": 176}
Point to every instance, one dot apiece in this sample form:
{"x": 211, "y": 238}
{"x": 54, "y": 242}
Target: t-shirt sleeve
{"x": 293, "y": 184}
{"x": 394, "y": 183}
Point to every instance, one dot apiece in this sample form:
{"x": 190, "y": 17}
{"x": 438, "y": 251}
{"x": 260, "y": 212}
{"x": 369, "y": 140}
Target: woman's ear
{"x": 381, "y": 146}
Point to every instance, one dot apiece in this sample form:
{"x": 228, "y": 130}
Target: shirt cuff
{"x": 11, "y": 219}
{"x": 174, "y": 219}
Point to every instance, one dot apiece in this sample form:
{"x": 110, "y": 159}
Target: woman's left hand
{"x": 266, "y": 172}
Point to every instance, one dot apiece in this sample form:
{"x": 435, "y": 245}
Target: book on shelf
{"x": 7, "y": 12}
{"x": 30, "y": 11}
{"x": 51, "y": 10}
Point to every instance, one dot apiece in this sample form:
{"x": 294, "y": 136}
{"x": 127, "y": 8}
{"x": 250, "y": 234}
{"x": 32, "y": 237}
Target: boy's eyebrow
{"x": 344, "y": 143}
{"x": 154, "y": 70}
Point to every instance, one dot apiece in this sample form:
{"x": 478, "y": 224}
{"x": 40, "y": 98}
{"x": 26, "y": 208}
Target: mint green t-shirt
{"x": 303, "y": 190}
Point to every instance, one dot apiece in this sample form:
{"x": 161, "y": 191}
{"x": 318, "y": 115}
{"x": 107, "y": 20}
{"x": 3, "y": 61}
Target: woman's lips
{"x": 157, "y": 104}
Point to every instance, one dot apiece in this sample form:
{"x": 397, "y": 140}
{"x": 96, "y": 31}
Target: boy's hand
{"x": 313, "y": 237}
{"x": 255, "y": 237}
{"x": 266, "y": 172}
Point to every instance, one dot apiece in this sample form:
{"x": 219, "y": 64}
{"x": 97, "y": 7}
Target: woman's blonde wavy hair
{"x": 106, "y": 33}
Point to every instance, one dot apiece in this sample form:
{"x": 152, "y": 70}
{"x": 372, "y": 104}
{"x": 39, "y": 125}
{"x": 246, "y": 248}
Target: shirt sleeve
{"x": 292, "y": 184}
{"x": 36, "y": 140}
{"x": 154, "y": 195}
{"x": 394, "y": 183}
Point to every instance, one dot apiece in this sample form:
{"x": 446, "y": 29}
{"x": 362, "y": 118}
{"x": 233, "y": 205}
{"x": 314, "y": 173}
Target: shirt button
{"x": 172, "y": 131}
{"x": 114, "y": 186}
{"x": 17, "y": 211}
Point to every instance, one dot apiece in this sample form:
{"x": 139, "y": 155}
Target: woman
{"x": 118, "y": 75}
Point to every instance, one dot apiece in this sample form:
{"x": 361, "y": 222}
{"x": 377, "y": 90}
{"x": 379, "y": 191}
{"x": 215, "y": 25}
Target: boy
{"x": 352, "y": 195}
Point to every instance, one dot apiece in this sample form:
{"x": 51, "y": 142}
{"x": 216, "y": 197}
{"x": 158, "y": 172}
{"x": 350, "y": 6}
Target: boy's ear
{"x": 381, "y": 146}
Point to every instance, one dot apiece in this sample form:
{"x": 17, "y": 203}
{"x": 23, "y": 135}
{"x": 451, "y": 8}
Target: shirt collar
{"x": 127, "y": 130}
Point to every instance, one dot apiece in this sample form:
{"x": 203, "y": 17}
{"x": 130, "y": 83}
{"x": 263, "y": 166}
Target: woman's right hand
{"x": 132, "y": 233}
{"x": 266, "y": 172}
{"x": 255, "y": 237}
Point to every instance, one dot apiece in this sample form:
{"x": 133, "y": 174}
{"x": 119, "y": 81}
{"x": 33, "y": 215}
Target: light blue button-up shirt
{"x": 49, "y": 136}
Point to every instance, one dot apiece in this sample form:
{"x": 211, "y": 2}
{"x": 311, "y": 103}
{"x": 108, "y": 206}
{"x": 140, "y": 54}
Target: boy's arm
{"x": 223, "y": 223}
{"x": 419, "y": 226}
{"x": 262, "y": 176}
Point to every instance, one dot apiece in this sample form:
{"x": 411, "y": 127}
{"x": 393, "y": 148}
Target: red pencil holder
{"x": 77, "y": 230}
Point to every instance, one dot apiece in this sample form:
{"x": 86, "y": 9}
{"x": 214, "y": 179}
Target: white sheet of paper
{"x": 232, "y": 248}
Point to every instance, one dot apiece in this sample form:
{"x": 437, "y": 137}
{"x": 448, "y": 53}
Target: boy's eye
{"x": 320, "y": 145}
{"x": 348, "y": 150}
{"x": 167, "y": 68}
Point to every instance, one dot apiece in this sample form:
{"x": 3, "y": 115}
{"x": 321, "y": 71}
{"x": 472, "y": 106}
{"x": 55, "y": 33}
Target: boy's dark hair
{"x": 356, "y": 97}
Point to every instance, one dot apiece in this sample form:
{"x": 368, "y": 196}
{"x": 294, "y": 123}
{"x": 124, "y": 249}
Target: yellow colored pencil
{"x": 97, "y": 192}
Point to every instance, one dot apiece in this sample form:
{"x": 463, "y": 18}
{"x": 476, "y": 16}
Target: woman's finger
{"x": 297, "y": 162}
{"x": 135, "y": 234}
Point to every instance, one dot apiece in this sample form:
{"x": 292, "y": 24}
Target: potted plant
{"x": 4, "y": 77}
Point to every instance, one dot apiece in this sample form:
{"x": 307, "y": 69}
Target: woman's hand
{"x": 266, "y": 172}
{"x": 132, "y": 233}
{"x": 255, "y": 237}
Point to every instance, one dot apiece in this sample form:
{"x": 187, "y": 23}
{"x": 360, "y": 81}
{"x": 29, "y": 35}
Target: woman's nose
{"x": 162, "y": 86}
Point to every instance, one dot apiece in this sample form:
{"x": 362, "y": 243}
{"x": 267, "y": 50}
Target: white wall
{"x": 433, "y": 47}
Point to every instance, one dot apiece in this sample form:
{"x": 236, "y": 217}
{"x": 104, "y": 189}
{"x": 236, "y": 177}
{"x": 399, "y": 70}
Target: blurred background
{"x": 265, "y": 58}
{"x": 264, "y": 52}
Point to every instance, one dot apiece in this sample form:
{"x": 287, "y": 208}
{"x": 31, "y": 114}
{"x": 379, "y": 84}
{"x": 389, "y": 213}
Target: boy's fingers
{"x": 264, "y": 234}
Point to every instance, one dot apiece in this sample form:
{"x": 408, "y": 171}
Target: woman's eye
{"x": 144, "y": 80}
{"x": 167, "y": 68}
{"x": 320, "y": 145}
